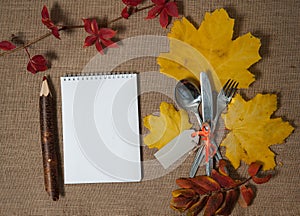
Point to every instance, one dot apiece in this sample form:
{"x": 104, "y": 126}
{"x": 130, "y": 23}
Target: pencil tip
{"x": 44, "y": 78}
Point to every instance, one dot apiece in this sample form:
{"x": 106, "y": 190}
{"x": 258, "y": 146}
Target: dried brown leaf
{"x": 186, "y": 192}
{"x": 261, "y": 180}
{"x": 206, "y": 183}
{"x": 213, "y": 203}
{"x": 223, "y": 167}
{"x": 197, "y": 207}
{"x": 188, "y": 183}
{"x": 182, "y": 203}
{"x": 224, "y": 181}
{"x": 254, "y": 168}
{"x": 231, "y": 197}
{"x": 246, "y": 196}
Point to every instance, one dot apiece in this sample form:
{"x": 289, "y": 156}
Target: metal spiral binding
{"x": 96, "y": 76}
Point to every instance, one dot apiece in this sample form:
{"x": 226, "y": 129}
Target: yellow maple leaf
{"x": 210, "y": 48}
{"x": 165, "y": 127}
{"x": 252, "y": 131}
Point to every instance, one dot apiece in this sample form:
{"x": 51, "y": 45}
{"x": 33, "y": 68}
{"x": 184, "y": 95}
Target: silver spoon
{"x": 188, "y": 97}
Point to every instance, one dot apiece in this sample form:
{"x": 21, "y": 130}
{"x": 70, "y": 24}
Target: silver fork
{"x": 223, "y": 99}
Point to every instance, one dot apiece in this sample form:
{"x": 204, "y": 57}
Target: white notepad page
{"x": 101, "y": 140}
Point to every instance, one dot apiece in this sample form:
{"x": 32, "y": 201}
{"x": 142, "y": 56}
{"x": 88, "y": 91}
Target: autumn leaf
{"x": 252, "y": 131}
{"x": 231, "y": 197}
{"x": 246, "y": 196}
{"x": 213, "y": 49}
{"x": 217, "y": 194}
{"x": 6, "y": 45}
{"x": 36, "y": 64}
{"x": 165, "y": 127}
{"x": 164, "y": 9}
{"x": 49, "y": 23}
{"x": 100, "y": 37}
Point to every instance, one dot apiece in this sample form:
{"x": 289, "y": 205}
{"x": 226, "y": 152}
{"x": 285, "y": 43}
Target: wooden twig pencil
{"x": 49, "y": 141}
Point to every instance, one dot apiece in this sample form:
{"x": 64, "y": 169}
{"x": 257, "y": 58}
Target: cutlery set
{"x": 189, "y": 97}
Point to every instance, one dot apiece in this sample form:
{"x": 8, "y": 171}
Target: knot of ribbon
{"x": 205, "y": 134}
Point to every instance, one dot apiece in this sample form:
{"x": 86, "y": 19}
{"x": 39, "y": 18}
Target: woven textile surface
{"x": 275, "y": 22}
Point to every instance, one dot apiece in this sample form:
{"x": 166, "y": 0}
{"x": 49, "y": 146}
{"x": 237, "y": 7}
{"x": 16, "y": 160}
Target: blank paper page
{"x": 100, "y": 129}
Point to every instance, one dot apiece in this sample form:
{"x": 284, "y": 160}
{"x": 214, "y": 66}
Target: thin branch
{"x": 63, "y": 28}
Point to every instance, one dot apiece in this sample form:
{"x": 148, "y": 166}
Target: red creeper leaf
{"x": 107, "y": 33}
{"x": 48, "y": 22}
{"x": 154, "y": 12}
{"x": 6, "y": 45}
{"x": 132, "y": 2}
{"x": 37, "y": 63}
{"x": 246, "y": 196}
{"x": 158, "y": 2}
{"x": 171, "y": 9}
{"x": 254, "y": 168}
{"x": 231, "y": 197}
{"x": 163, "y": 18}
{"x": 125, "y": 14}
{"x": 45, "y": 13}
{"x": 213, "y": 203}
{"x": 87, "y": 25}
{"x": 262, "y": 180}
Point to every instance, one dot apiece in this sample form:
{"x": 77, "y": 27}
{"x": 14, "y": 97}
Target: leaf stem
{"x": 63, "y": 28}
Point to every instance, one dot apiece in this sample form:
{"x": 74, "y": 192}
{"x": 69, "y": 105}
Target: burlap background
{"x": 275, "y": 22}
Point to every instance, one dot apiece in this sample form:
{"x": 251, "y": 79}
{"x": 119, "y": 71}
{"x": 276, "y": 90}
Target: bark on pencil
{"x": 49, "y": 141}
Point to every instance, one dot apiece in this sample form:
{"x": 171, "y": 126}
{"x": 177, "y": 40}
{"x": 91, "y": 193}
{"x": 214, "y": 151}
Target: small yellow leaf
{"x": 165, "y": 127}
{"x": 252, "y": 130}
{"x": 210, "y": 48}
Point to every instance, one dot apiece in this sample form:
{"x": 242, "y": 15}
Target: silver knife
{"x": 207, "y": 116}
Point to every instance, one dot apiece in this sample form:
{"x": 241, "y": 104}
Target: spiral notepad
{"x": 100, "y": 128}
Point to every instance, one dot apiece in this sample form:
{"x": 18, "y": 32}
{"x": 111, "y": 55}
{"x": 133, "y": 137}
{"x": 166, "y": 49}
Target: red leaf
{"x": 55, "y": 32}
{"x": 154, "y": 11}
{"x": 37, "y": 63}
{"x": 254, "y": 168}
{"x": 39, "y": 60}
{"x": 125, "y": 13}
{"x": 163, "y": 18}
{"x": 213, "y": 203}
{"x": 48, "y": 22}
{"x": 224, "y": 181}
{"x": 196, "y": 208}
{"x": 106, "y": 33}
{"x": 246, "y": 196}
{"x": 109, "y": 43}
{"x": 87, "y": 26}
{"x": 171, "y": 8}
{"x": 206, "y": 183}
{"x": 90, "y": 40}
{"x": 262, "y": 180}
{"x": 231, "y": 197}
{"x": 94, "y": 26}
{"x": 132, "y": 2}
{"x": 158, "y": 2}
{"x": 99, "y": 47}
{"x": 6, "y": 45}
{"x": 45, "y": 13}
